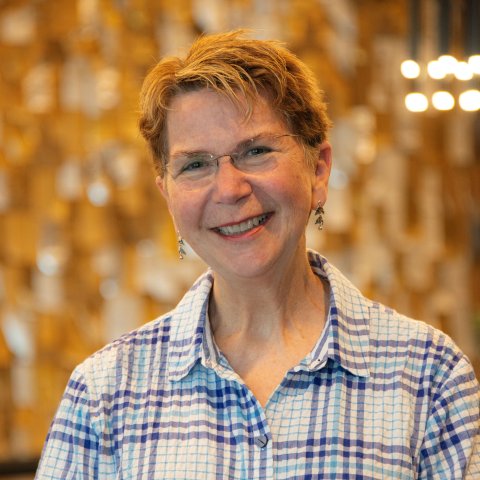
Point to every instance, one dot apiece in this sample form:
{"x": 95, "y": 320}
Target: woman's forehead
{"x": 204, "y": 111}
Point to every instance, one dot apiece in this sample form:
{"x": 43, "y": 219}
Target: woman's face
{"x": 241, "y": 224}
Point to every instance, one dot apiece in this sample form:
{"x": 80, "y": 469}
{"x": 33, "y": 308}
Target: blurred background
{"x": 87, "y": 250}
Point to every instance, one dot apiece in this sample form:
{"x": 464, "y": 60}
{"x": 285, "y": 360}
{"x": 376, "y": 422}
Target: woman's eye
{"x": 194, "y": 165}
{"x": 255, "y": 151}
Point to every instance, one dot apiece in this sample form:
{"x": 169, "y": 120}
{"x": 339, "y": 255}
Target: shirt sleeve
{"x": 71, "y": 450}
{"x": 451, "y": 447}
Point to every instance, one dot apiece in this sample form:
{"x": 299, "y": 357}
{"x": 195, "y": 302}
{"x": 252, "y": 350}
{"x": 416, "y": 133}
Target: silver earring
{"x": 319, "y": 212}
{"x": 180, "y": 246}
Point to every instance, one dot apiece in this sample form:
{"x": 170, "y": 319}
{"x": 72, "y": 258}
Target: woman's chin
{"x": 249, "y": 265}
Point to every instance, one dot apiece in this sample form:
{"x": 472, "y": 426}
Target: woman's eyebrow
{"x": 188, "y": 153}
{"x": 239, "y": 146}
{"x": 248, "y": 141}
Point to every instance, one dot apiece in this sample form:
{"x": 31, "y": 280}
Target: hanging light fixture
{"x": 435, "y": 70}
{"x": 443, "y": 100}
{"x": 410, "y": 67}
{"x": 469, "y": 100}
{"x": 463, "y": 71}
{"x": 474, "y": 62}
{"x": 451, "y": 73}
{"x": 446, "y": 60}
{"x": 415, "y": 101}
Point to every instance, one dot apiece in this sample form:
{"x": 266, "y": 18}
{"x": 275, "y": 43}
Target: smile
{"x": 243, "y": 227}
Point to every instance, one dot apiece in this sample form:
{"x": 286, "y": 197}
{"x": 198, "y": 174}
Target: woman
{"x": 273, "y": 365}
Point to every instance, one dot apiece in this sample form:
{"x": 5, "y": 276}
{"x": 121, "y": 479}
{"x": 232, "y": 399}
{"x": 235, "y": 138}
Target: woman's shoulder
{"x": 129, "y": 358}
{"x": 416, "y": 347}
{"x": 148, "y": 345}
{"x": 395, "y": 339}
{"x": 387, "y": 324}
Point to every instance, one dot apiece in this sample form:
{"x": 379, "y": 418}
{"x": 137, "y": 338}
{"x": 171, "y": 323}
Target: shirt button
{"x": 261, "y": 441}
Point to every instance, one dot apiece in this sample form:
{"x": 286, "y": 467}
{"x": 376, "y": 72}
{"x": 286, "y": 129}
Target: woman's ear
{"x": 323, "y": 166}
{"x": 160, "y": 183}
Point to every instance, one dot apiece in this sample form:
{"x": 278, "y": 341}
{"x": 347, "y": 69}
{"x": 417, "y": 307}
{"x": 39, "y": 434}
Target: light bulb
{"x": 448, "y": 63}
{"x": 410, "y": 69}
{"x": 442, "y": 100}
{"x": 463, "y": 71}
{"x": 416, "y": 102}
{"x": 474, "y": 62}
{"x": 470, "y": 100}
{"x": 435, "y": 70}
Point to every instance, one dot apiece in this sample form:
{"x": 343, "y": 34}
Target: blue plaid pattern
{"x": 379, "y": 397}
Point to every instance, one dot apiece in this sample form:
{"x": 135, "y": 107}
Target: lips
{"x": 243, "y": 227}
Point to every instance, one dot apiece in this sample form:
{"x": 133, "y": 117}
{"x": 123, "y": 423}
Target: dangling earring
{"x": 180, "y": 246}
{"x": 319, "y": 212}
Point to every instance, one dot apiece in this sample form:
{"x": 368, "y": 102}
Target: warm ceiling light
{"x": 448, "y": 63}
{"x": 416, "y": 102}
{"x": 463, "y": 71}
{"x": 435, "y": 70}
{"x": 443, "y": 100}
{"x": 410, "y": 69}
{"x": 470, "y": 100}
{"x": 474, "y": 62}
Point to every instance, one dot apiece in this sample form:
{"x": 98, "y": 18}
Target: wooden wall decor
{"x": 87, "y": 249}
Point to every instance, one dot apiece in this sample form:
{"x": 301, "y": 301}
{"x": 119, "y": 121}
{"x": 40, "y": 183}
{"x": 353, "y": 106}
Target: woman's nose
{"x": 230, "y": 184}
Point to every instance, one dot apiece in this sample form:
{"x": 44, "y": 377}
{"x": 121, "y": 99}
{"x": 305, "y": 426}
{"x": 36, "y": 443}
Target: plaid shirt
{"x": 379, "y": 397}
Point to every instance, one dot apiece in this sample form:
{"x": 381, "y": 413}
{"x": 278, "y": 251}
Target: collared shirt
{"x": 379, "y": 397}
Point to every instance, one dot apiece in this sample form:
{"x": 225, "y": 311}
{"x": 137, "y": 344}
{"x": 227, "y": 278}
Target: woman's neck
{"x": 261, "y": 307}
{"x": 265, "y": 328}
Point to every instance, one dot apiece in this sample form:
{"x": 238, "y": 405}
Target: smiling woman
{"x": 281, "y": 190}
{"x": 273, "y": 365}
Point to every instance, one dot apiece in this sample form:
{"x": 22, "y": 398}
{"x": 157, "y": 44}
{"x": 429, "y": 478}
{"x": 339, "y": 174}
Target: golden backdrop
{"x": 87, "y": 250}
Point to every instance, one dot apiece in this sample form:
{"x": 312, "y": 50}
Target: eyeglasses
{"x": 258, "y": 155}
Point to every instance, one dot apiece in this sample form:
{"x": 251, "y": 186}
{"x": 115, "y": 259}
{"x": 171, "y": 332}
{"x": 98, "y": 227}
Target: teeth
{"x": 242, "y": 227}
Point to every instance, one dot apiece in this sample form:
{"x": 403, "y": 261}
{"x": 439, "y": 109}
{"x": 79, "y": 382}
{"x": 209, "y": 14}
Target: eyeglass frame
{"x": 215, "y": 159}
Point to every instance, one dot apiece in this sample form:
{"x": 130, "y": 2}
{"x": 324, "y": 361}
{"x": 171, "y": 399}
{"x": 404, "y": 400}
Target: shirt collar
{"x": 345, "y": 339}
{"x": 187, "y": 334}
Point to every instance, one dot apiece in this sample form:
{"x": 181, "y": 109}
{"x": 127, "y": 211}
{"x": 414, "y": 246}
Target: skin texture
{"x": 267, "y": 308}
